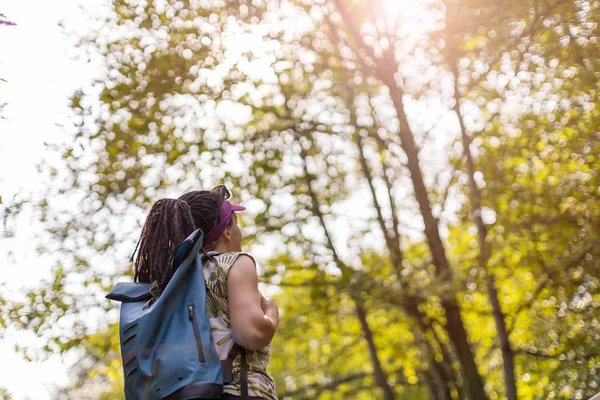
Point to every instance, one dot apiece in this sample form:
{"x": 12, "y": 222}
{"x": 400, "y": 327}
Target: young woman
{"x": 238, "y": 313}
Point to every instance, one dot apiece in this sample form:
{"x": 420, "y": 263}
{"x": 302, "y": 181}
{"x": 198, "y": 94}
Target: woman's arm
{"x": 254, "y": 319}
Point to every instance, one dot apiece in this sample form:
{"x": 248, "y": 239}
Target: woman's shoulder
{"x": 226, "y": 260}
{"x": 229, "y": 258}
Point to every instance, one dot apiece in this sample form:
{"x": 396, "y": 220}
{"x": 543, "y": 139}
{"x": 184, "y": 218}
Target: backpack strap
{"x": 155, "y": 292}
{"x": 227, "y": 366}
{"x": 244, "y": 376}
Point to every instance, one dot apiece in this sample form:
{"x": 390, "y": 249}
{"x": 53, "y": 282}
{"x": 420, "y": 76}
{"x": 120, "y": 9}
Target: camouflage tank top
{"x": 260, "y": 384}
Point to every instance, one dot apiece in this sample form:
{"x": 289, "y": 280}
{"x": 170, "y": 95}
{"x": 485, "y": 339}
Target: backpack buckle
{"x": 155, "y": 292}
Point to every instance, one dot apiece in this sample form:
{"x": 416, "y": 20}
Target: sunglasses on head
{"x": 222, "y": 191}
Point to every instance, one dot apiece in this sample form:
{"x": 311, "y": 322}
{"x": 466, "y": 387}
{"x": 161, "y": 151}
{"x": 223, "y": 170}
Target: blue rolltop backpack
{"x": 165, "y": 337}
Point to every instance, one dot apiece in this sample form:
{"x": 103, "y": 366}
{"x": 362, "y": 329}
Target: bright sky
{"x": 40, "y": 77}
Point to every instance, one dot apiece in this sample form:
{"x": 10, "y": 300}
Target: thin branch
{"x": 331, "y": 385}
{"x": 369, "y": 177}
{"x": 338, "y": 41}
{"x": 527, "y": 304}
{"x": 547, "y": 280}
{"x": 383, "y": 147}
{"x": 446, "y": 192}
{"x": 334, "y": 383}
{"x": 352, "y": 27}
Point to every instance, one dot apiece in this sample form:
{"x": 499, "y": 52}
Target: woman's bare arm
{"x": 254, "y": 319}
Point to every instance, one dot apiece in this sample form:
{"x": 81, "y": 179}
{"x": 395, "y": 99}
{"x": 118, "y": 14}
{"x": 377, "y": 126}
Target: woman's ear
{"x": 227, "y": 234}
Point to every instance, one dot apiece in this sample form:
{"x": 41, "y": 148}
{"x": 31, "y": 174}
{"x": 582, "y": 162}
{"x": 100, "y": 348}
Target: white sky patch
{"x": 40, "y": 78}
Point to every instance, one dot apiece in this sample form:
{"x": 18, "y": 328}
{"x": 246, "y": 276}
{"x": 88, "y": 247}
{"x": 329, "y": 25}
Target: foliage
{"x": 348, "y": 128}
{"x": 5, "y": 394}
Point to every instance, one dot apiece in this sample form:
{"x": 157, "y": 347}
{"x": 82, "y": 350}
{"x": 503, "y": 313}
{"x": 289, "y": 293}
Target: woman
{"x": 238, "y": 313}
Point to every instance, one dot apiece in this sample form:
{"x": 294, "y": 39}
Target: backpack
{"x": 166, "y": 344}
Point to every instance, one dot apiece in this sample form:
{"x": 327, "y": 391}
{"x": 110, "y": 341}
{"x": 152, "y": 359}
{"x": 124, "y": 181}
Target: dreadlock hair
{"x": 169, "y": 223}
{"x": 205, "y": 210}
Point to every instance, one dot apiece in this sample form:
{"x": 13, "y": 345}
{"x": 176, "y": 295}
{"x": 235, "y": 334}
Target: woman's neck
{"x": 222, "y": 247}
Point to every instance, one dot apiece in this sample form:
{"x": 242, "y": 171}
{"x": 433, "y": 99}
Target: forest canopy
{"x": 421, "y": 180}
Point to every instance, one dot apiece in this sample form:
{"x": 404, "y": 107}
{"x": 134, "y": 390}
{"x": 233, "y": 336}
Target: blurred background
{"x": 421, "y": 178}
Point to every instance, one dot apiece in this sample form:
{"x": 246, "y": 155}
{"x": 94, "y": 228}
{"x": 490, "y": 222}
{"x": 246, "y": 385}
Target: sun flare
{"x": 409, "y": 16}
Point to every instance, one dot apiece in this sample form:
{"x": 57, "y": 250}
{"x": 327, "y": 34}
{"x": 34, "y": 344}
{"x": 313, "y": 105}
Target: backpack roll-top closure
{"x": 128, "y": 292}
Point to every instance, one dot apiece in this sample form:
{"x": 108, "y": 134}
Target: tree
{"x": 426, "y": 180}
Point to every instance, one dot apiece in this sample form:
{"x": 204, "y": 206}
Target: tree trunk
{"x": 436, "y": 388}
{"x": 441, "y": 377}
{"x": 484, "y": 248}
{"x": 439, "y": 383}
{"x": 385, "y": 68}
{"x": 454, "y": 324}
{"x": 380, "y": 377}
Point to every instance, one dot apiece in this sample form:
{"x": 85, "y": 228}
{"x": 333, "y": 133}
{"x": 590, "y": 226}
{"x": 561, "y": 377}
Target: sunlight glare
{"x": 409, "y": 16}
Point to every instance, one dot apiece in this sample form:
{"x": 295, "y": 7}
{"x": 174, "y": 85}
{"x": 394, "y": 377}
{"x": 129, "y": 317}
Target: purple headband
{"x": 227, "y": 210}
